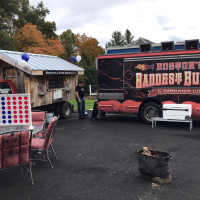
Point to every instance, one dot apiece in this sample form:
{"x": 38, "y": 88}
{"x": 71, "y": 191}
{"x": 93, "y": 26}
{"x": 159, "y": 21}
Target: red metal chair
{"x": 42, "y": 144}
{"x": 38, "y": 118}
{"x": 15, "y": 150}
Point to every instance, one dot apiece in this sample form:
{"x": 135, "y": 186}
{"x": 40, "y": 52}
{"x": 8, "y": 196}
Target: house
{"x": 134, "y": 47}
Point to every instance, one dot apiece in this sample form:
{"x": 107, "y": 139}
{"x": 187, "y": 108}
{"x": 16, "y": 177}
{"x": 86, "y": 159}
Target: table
{"x": 155, "y": 119}
{"x": 36, "y": 128}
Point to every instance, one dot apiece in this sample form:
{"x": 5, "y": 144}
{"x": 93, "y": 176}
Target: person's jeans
{"x": 81, "y": 108}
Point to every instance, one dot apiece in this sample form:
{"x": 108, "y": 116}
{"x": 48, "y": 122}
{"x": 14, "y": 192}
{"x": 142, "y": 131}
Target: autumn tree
{"x": 30, "y": 39}
{"x": 28, "y": 36}
{"x": 52, "y": 47}
{"x": 15, "y": 14}
{"x": 89, "y": 49}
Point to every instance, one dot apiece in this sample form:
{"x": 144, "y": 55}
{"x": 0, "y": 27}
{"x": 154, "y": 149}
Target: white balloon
{"x": 78, "y": 58}
{"x": 22, "y": 63}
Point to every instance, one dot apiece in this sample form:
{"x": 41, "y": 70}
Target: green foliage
{"x": 8, "y": 10}
{"x": 128, "y": 37}
{"x": 49, "y": 29}
{"x": 118, "y": 39}
{"x": 36, "y": 16}
{"x": 89, "y": 78}
{"x": 15, "y": 14}
{"x": 68, "y": 41}
{"x": 89, "y": 104}
{"x": 6, "y": 41}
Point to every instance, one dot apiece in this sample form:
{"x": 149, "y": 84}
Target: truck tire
{"x": 150, "y": 110}
{"x": 65, "y": 110}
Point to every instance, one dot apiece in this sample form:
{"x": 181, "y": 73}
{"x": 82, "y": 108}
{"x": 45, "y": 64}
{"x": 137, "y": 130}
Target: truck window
{"x": 5, "y": 88}
{"x": 56, "y": 83}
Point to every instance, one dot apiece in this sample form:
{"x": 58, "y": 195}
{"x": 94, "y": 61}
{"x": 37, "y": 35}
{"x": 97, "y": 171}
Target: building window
{"x": 56, "y": 83}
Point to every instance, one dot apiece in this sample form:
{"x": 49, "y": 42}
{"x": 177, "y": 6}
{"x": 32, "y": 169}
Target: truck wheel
{"x": 150, "y": 110}
{"x": 65, "y": 110}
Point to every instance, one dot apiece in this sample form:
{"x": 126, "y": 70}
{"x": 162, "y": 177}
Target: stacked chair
{"x": 15, "y": 150}
{"x": 38, "y": 118}
{"x": 41, "y": 145}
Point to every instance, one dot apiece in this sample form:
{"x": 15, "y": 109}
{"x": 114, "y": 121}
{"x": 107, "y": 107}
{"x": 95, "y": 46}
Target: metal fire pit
{"x": 155, "y": 166}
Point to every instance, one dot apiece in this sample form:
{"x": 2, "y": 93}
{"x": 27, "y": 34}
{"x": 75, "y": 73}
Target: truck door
{"x": 110, "y": 79}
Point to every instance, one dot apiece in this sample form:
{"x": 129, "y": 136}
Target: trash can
{"x": 155, "y": 165}
{"x": 49, "y": 117}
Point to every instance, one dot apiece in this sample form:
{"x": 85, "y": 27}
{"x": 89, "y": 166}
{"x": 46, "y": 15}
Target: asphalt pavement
{"x": 97, "y": 161}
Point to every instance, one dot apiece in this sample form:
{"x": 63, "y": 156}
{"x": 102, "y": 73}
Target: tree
{"x": 8, "y": 10}
{"x": 30, "y": 39}
{"x": 6, "y": 41}
{"x": 35, "y": 15}
{"x": 128, "y": 37}
{"x": 89, "y": 77}
{"x": 28, "y": 36}
{"x": 68, "y": 41}
{"x": 15, "y": 14}
{"x": 117, "y": 39}
{"x": 52, "y": 47}
{"x": 49, "y": 29}
{"x": 89, "y": 49}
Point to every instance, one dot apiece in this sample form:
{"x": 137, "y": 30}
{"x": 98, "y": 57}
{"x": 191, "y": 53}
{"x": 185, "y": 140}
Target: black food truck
{"x": 140, "y": 83}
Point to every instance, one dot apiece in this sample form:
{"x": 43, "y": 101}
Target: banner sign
{"x": 59, "y": 73}
{"x": 162, "y": 73}
{"x": 154, "y": 92}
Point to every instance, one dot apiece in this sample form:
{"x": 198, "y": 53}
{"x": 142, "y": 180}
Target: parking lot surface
{"x": 97, "y": 161}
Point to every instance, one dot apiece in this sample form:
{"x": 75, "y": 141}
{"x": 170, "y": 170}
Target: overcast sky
{"x": 156, "y": 20}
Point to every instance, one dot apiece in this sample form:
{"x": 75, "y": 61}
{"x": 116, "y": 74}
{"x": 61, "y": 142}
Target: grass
{"x": 88, "y": 104}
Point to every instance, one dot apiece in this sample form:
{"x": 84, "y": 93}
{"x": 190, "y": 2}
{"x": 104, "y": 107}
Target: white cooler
{"x": 177, "y": 111}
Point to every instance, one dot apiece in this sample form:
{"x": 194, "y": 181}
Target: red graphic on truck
{"x": 139, "y": 83}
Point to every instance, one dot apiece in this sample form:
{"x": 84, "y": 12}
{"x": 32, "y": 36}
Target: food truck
{"x": 140, "y": 83}
{"x": 49, "y": 80}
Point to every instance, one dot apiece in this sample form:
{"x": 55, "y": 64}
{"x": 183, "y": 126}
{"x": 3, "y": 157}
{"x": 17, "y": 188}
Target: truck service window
{"x": 56, "y": 83}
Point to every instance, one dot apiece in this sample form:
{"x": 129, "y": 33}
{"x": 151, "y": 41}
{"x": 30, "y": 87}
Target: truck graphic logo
{"x": 144, "y": 67}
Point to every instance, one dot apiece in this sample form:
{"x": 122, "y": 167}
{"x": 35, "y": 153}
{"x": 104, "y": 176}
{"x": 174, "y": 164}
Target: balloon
{"x": 25, "y": 57}
{"x": 22, "y": 63}
{"x": 78, "y": 58}
{"x": 73, "y": 59}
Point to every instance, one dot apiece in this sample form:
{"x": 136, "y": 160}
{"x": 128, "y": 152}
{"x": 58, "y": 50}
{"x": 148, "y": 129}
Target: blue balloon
{"x": 73, "y": 59}
{"x": 25, "y": 57}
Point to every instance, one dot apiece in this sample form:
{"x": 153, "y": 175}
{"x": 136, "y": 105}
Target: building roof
{"x": 139, "y": 41}
{"x": 136, "y": 43}
{"x": 39, "y": 62}
{"x": 135, "y": 47}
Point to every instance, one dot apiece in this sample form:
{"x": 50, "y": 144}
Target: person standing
{"x": 80, "y": 93}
